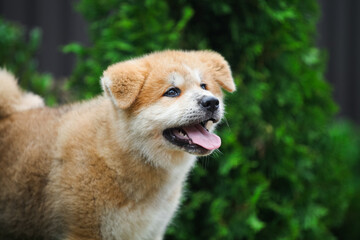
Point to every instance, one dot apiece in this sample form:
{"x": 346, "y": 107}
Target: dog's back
{"x": 24, "y": 161}
{"x": 29, "y": 154}
{"x": 29, "y": 143}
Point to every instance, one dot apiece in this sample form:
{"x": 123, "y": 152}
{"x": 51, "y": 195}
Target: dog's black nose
{"x": 210, "y": 103}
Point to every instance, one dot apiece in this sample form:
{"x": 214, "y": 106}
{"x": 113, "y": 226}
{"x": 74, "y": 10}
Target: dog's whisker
{"x": 227, "y": 123}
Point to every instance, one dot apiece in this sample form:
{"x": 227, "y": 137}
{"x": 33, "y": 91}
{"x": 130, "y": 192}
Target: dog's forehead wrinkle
{"x": 194, "y": 73}
{"x": 198, "y": 75}
{"x": 176, "y": 79}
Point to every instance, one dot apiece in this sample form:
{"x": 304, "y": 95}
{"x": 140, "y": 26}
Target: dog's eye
{"x": 203, "y": 86}
{"x": 172, "y": 92}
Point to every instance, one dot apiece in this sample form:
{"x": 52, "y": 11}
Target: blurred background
{"x": 289, "y": 165}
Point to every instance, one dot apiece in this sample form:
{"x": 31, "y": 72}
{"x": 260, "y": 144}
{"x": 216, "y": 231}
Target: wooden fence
{"x": 339, "y": 33}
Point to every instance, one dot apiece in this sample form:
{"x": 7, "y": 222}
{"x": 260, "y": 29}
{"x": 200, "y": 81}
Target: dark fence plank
{"x": 60, "y": 25}
{"x": 339, "y": 30}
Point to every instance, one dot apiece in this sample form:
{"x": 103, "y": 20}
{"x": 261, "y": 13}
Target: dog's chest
{"x": 144, "y": 221}
{"x": 147, "y": 218}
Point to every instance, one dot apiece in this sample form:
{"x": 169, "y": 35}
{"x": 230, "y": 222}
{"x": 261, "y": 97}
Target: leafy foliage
{"x": 120, "y": 30}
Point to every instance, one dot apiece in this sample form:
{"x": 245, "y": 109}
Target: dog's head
{"x": 173, "y": 99}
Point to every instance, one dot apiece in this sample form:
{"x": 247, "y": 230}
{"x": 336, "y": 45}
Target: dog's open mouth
{"x": 193, "y": 138}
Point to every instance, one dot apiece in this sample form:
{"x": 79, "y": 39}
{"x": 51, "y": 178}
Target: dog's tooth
{"x": 182, "y": 133}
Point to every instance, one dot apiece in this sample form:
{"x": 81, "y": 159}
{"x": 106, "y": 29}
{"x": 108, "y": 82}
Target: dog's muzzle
{"x": 195, "y": 137}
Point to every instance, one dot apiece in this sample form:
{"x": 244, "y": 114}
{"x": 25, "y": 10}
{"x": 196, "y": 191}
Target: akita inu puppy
{"x": 112, "y": 167}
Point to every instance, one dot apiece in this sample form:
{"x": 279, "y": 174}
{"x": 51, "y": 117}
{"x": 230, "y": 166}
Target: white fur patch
{"x": 106, "y": 81}
{"x": 106, "y": 84}
{"x": 146, "y": 222}
{"x": 29, "y": 101}
{"x": 149, "y": 220}
{"x": 176, "y": 79}
{"x": 195, "y": 73}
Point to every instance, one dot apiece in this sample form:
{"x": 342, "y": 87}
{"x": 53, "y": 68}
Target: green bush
{"x": 120, "y": 30}
{"x": 345, "y": 135}
{"x": 17, "y": 55}
{"x": 285, "y": 170}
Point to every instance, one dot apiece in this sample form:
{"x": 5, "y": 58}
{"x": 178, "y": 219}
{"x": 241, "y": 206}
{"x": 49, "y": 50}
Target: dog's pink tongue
{"x": 200, "y": 136}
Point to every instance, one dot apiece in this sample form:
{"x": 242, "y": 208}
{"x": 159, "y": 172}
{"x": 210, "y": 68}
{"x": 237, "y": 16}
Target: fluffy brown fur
{"x": 102, "y": 169}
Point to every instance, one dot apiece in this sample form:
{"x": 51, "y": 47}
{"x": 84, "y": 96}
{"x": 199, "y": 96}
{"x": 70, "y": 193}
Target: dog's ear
{"x": 123, "y": 81}
{"x": 219, "y": 67}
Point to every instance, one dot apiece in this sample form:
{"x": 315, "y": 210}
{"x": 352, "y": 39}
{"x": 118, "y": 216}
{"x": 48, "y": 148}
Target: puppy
{"x": 112, "y": 167}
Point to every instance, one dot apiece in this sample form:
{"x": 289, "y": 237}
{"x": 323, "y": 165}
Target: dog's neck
{"x": 164, "y": 171}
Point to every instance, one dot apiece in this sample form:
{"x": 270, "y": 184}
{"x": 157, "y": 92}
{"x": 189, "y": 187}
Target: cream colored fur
{"x": 12, "y": 99}
{"x": 102, "y": 169}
